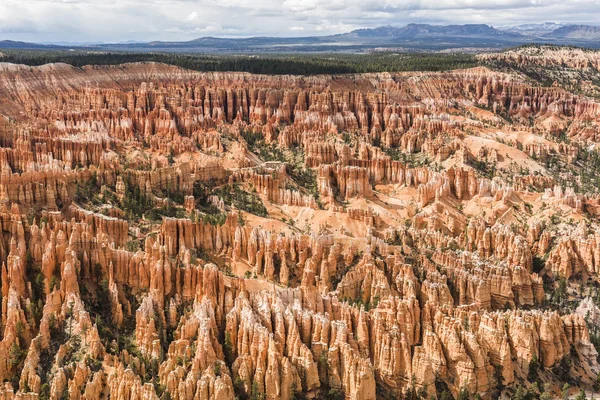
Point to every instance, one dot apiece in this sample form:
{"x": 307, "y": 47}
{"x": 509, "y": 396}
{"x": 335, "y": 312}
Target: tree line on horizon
{"x": 272, "y": 64}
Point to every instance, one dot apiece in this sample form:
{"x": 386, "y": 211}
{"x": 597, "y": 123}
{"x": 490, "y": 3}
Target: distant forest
{"x": 301, "y": 64}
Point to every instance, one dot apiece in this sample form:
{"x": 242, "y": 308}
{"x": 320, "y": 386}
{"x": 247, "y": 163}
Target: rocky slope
{"x": 574, "y": 69}
{"x": 178, "y": 235}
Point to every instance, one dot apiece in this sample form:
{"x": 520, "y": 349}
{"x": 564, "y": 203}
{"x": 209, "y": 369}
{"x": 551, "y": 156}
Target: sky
{"x": 79, "y": 21}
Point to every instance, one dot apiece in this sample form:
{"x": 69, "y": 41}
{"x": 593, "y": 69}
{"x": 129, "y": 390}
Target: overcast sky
{"x": 146, "y": 20}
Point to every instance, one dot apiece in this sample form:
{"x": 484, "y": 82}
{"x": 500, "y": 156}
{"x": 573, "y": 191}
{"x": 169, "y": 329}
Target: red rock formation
{"x": 126, "y": 273}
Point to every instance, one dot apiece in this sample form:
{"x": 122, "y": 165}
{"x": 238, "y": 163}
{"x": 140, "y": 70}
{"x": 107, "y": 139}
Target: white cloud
{"x": 193, "y": 16}
{"x": 118, "y": 20}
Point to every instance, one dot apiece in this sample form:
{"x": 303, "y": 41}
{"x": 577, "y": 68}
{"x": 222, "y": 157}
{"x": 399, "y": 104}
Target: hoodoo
{"x": 172, "y": 234}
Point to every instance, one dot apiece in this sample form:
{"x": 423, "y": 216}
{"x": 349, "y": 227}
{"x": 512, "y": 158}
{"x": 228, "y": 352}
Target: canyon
{"x": 172, "y": 234}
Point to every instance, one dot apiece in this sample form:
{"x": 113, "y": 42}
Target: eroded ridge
{"x": 179, "y": 235}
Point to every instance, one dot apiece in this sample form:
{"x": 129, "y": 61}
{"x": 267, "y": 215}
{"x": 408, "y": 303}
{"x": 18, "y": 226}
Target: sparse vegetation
{"x": 235, "y": 196}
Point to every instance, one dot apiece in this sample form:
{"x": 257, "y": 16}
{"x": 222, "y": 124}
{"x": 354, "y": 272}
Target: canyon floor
{"x": 172, "y": 234}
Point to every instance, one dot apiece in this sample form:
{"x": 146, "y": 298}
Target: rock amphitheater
{"x": 169, "y": 234}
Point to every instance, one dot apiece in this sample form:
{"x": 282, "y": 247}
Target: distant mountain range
{"x": 11, "y": 44}
{"x": 409, "y": 37}
{"x": 425, "y": 30}
{"x": 532, "y": 29}
{"x": 577, "y": 32}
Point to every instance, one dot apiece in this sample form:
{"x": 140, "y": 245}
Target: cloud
{"x": 193, "y": 16}
{"x": 119, "y": 20}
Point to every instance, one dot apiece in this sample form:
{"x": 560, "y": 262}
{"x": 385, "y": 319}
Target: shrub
{"x": 534, "y": 366}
